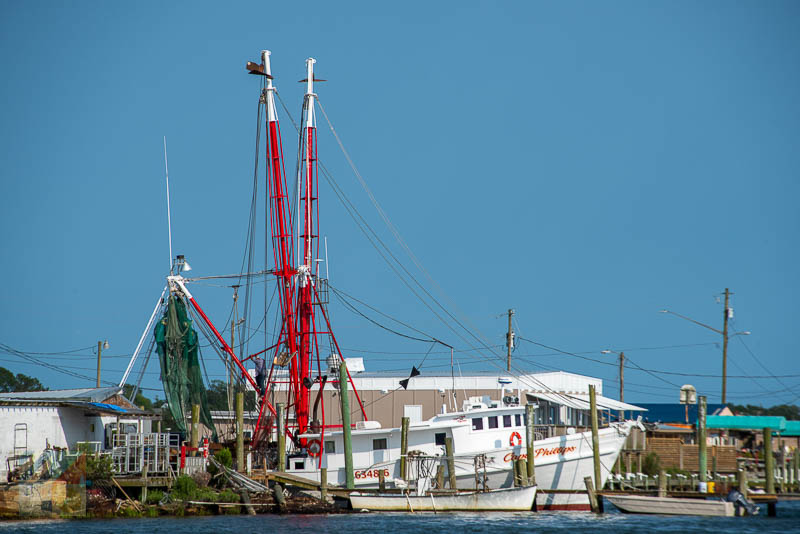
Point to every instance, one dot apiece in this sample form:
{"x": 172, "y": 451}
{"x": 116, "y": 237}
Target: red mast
{"x": 280, "y": 217}
{"x": 308, "y": 196}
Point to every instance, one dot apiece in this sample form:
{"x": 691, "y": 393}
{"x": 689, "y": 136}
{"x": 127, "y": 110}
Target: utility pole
{"x": 100, "y": 346}
{"x": 622, "y": 383}
{"x": 509, "y": 339}
{"x": 725, "y": 315}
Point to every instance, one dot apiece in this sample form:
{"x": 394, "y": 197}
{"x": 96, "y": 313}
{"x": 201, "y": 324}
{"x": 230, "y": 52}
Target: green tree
{"x": 10, "y": 382}
{"x": 140, "y": 399}
{"x": 789, "y": 411}
{"x": 217, "y": 395}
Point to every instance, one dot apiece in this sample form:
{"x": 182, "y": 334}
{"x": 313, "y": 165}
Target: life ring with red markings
{"x": 515, "y": 439}
{"x": 314, "y": 448}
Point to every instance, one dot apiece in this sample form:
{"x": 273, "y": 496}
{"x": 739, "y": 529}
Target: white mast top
{"x": 310, "y": 122}
{"x": 272, "y": 115}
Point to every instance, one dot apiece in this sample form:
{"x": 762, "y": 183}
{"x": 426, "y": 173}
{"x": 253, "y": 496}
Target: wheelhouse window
{"x": 440, "y": 438}
{"x": 493, "y": 421}
{"x": 477, "y": 423}
{"x": 379, "y": 444}
{"x": 330, "y": 447}
{"x": 507, "y": 421}
{"x": 518, "y": 419}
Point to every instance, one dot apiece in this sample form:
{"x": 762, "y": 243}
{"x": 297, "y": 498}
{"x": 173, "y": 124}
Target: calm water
{"x": 612, "y": 522}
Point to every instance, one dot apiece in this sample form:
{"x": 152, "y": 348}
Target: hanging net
{"x": 177, "y": 346}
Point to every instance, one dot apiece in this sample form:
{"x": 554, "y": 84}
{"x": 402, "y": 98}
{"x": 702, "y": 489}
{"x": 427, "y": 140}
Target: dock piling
{"x": 769, "y": 462}
{"x": 662, "y": 483}
{"x": 195, "y": 427}
{"x": 451, "y": 462}
{"x": 346, "y": 430}
{"x": 405, "y": 422}
{"x": 595, "y": 438}
{"x": 240, "y": 431}
{"x": 529, "y": 438}
{"x": 281, "y": 429}
{"x": 701, "y": 443}
{"x": 323, "y": 484}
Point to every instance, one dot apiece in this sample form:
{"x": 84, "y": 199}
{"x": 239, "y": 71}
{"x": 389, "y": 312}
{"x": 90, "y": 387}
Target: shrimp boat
{"x": 491, "y": 430}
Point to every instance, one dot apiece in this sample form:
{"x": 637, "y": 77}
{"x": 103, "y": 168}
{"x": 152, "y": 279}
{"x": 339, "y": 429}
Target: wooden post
{"x": 662, "y": 483}
{"x": 769, "y": 462}
{"x": 281, "y": 429}
{"x": 144, "y": 486}
{"x": 594, "y": 500}
{"x": 195, "y": 427}
{"x": 714, "y": 462}
{"x": 280, "y": 498}
{"x": 246, "y": 500}
{"x": 381, "y": 480}
{"x": 451, "y": 462}
{"x": 439, "y": 476}
{"x": 240, "y": 431}
{"x": 323, "y": 484}
{"x": 346, "y": 430}
{"x": 404, "y": 423}
{"x": 158, "y": 426}
{"x": 529, "y": 438}
{"x": 743, "y": 482}
{"x": 782, "y": 457}
{"x": 701, "y": 440}
{"x": 595, "y": 439}
{"x": 523, "y": 472}
{"x": 515, "y": 466}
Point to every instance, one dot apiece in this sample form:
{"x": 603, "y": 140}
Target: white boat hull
{"x": 503, "y": 500}
{"x": 640, "y": 504}
{"x": 561, "y": 463}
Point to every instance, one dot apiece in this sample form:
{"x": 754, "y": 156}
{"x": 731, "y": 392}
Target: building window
{"x": 518, "y": 419}
{"x": 477, "y": 423}
{"x": 379, "y": 444}
{"x": 506, "y": 421}
{"x": 493, "y": 421}
{"x": 330, "y": 447}
{"x": 553, "y": 419}
{"x": 440, "y": 438}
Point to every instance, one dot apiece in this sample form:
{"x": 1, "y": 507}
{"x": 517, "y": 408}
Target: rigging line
{"x": 339, "y": 293}
{"x": 401, "y": 241}
{"x": 699, "y": 375}
{"x": 36, "y": 361}
{"x": 350, "y": 208}
{"x": 376, "y": 323}
{"x": 654, "y": 375}
{"x": 61, "y": 352}
{"x": 221, "y": 276}
{"x": 754, "y": 356}
{"x": 144, "y": 367}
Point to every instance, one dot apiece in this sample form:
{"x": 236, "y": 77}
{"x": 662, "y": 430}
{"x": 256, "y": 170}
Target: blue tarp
{"x": 792, "y": 429}
{"x": 746, "y": 422}
{"x": 674, "y": 412}
{"x": 109, "y": 407}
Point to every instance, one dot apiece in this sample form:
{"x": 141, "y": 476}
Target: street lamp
{"x": 621, "y": 376}
{"x": 100, "y": 346}
{"x": 727, "y": 313}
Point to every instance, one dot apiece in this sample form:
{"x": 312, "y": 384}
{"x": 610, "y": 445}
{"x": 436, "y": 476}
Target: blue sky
{"x": 584, "y": 163}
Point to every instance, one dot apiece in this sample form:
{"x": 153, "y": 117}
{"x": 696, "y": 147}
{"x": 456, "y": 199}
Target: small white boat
{"x": 500, "y": 500}
{"x": 641, "y": 504}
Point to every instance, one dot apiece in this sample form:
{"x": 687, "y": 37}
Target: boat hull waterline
{"x": 502, "y": 500}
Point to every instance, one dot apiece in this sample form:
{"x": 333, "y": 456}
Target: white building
{"x": 33, "y": 421}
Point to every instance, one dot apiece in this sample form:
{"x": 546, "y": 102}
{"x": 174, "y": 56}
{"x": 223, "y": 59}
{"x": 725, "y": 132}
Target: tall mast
{"x": 309, "y": 234}
{"x": 281, "y": 230}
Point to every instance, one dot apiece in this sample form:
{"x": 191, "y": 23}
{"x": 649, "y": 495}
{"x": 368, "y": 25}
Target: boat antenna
{"x": 169, "y": 218}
